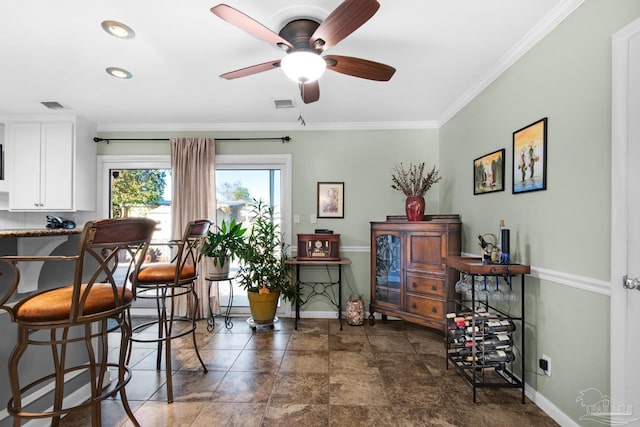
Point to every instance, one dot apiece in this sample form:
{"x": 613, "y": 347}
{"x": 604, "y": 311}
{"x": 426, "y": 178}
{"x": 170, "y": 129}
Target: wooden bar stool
{"x": 165, "y": 282}
{"x": 74, "y": 321}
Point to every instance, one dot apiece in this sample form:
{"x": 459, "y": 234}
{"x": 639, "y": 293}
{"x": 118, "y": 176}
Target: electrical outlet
{"x": 313, "y": 219}
{"x": 296, "y": 219}
{"x": 545, "y": 365}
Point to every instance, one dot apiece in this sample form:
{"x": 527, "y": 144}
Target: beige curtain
{"x": 194, "y": 197}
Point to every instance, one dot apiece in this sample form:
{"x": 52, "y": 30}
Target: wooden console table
{"x": 321, "y": 288}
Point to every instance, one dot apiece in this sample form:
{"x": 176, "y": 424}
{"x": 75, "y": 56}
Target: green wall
{"x": 362, "y": 159}
{"x": 567, "y": 78}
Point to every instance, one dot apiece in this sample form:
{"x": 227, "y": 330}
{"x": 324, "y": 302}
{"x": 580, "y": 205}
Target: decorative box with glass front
{"x": 409, "y": 279}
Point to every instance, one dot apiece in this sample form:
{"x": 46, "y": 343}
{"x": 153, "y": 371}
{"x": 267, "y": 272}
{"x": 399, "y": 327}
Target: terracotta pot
{"x": 414, "y": 206}
{"x": 263, "y": 306}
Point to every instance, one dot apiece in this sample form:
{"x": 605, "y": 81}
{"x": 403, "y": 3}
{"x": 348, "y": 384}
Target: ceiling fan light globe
{"x": 303, "y": 66}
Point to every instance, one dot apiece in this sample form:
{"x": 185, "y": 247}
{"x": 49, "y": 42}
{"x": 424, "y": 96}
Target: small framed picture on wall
{"x": 330, "y": 199}
{"x": 488, "y": 173}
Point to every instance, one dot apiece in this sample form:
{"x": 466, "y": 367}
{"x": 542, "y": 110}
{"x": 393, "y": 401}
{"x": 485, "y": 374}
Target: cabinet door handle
{"x": 414, "y": 285}
{"x": 434, "y": 288}
{"x": 415, "y": 305}
{"x": 434, "y": 310}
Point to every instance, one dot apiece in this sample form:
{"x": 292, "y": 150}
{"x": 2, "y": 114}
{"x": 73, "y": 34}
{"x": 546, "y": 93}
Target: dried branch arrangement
{"x": 412, "y": 182}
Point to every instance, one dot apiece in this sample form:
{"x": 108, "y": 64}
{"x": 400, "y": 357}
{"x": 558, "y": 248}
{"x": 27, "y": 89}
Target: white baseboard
{"x": 549, "y": 408}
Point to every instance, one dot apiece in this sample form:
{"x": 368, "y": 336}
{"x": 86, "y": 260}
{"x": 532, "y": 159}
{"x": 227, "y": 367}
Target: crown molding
{"x": 282, "y": 126}
{"x": 537, "y": 33}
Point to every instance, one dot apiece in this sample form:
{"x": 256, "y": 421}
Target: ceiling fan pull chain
{"x": 300, "y": 118}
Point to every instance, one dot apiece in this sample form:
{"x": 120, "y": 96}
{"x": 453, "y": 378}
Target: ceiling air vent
{"x": 283, "y": 103}
{"x": 53, "y": 105}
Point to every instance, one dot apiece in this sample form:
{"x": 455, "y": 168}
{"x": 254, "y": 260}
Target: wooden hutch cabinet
{"x": 409, "y": 278}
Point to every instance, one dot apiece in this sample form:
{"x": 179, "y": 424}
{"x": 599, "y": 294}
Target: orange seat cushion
{"x": 164, "y": 272}
{"x": 55, "y": 305}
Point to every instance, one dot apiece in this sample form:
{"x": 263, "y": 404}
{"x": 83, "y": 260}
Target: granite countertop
{"x": 38, "y": 232}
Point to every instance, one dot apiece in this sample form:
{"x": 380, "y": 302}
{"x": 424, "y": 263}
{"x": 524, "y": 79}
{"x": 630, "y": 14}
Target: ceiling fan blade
{"x": 310, "y": 92}
{"x": 358, "y": 67}
{"x": 254, "y": 69}
{"x": 344, "y": 20}
{"x": 250, "y": 25}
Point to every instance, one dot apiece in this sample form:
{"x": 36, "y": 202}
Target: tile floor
{"x": 389, "y": 374}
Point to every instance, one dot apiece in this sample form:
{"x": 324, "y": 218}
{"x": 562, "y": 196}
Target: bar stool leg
{"x": 58, "y": 366}
{"x": 97, "y": 375}
{"x": 125, "y": 341}
{"x": 15, "y": 406}
{"x": 193, "y": 325}
{"x": 162, "y": 323}
{"x": 168, "y": 334}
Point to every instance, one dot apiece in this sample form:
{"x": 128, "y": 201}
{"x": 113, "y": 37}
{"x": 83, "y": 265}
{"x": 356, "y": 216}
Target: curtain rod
{"x": 284, "y": 139}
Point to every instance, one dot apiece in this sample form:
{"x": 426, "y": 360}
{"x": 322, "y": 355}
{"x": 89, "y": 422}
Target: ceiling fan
{"x": 304, "y": 40}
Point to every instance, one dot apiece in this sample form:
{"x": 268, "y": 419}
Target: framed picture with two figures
{"x": 530, "y": 157}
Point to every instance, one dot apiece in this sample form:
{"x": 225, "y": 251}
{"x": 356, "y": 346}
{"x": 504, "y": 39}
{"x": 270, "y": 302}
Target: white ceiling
{"x": 445, "y": 52}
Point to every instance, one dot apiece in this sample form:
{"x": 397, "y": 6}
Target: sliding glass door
{"x": 141, "y": 186}
{"x": 238, "y": 183}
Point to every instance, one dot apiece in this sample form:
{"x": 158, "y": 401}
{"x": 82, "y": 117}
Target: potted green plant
{"x": 264, "y": 273}
{"x": 223, "y": 244}
{"x": 414, "y": 185}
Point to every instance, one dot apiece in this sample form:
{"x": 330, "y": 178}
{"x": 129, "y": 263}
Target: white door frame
{"x": 619, "y": 168}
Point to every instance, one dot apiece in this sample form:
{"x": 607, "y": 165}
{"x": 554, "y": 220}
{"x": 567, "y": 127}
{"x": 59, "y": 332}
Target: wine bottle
{"x": 497, "y": 356}
{"x": 497, "y": 326}
{"x": 494, "y": 342}
{"x": 492, "y": 358}
{"x": 456, "y": 333}
{"x": 455, "y": 320}
{"x": 504, "y": 243}
{"x": 464, "y": 341}
{"x": 468, "y": 331}
{"x": 484, "y": 323}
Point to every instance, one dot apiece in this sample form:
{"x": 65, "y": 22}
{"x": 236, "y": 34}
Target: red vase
{"x": 414, "y": 206}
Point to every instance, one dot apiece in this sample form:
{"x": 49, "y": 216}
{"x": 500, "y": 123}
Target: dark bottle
{"x": 467, "y": 331}
{"x": 497, "y": 326}
{"x": 496, "y": 358}
{"x": 493, "y": 342}
{"x": 463, "y": 341}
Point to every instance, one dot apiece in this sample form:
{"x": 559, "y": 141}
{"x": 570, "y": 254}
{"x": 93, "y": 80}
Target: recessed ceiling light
{"x": 118, "y": 29}
{"x": 120, "y": 73}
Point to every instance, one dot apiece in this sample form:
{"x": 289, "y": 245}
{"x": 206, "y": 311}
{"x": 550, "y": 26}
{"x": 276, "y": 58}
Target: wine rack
{"x": 484, "y": 341}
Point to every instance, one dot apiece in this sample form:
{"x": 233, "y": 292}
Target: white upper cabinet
{"x": 51, "y": 166}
